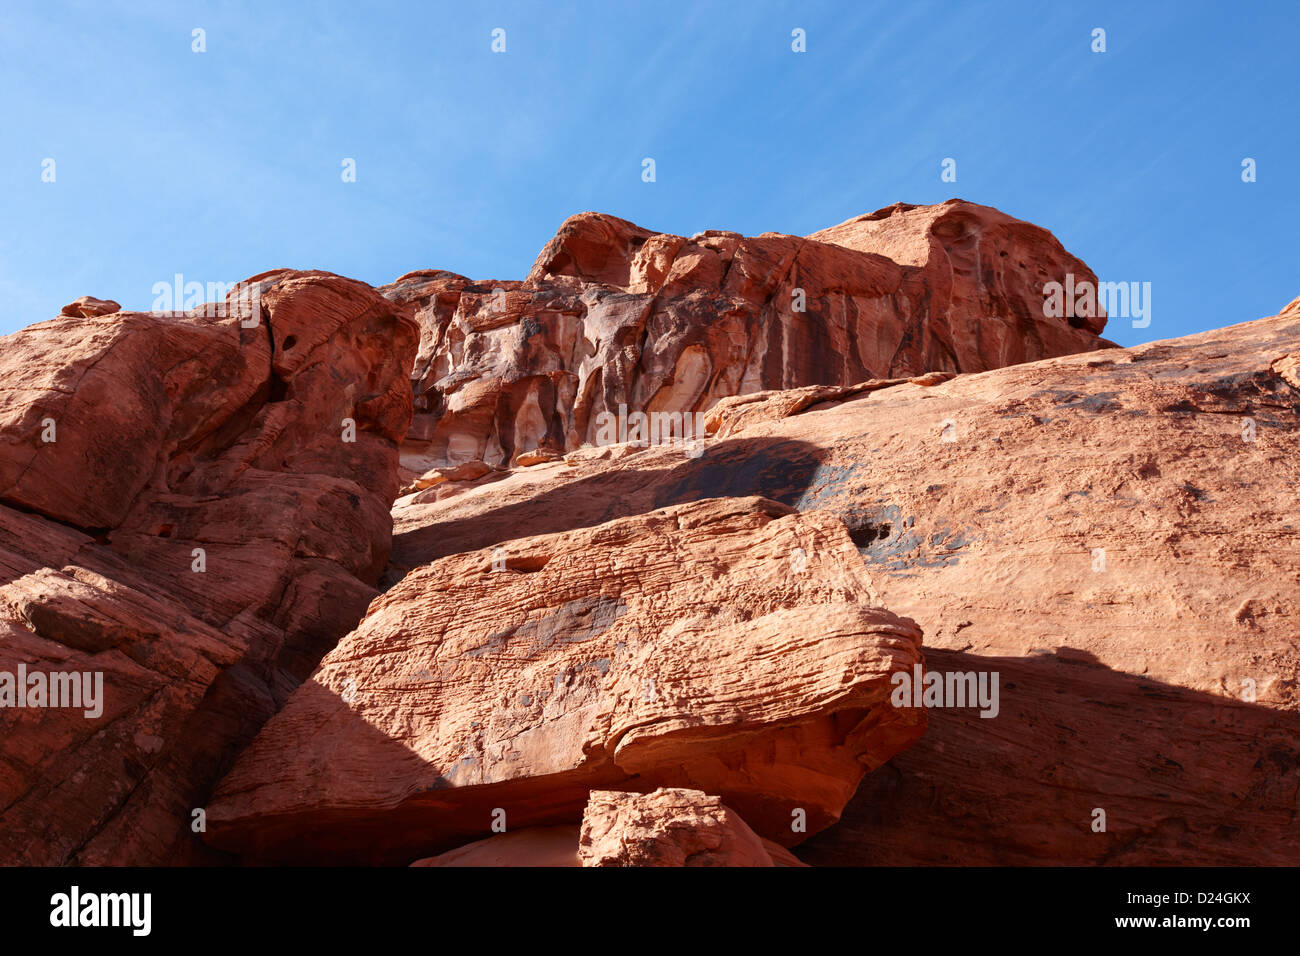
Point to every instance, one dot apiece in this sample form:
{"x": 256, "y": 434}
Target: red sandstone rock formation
{"x": 184, "y": 513}
{"x": 729, "y": 646}
{"x": 606, "y": 634}
{"x": 88, "y": 307}
{"x": 981, "y": 507}
{"x": 668, "y": 827}
{"x": 615, "y": 315}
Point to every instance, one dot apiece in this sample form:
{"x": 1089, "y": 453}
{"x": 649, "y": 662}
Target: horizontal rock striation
{"x": 729, "y": 646}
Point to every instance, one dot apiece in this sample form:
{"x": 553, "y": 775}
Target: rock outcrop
{"x": 613, "y": 316}
{"x": 1112, "y": 534}
{"x": 252, "y": 610}
{"x": 88, "y": 307}
{"x": 193, "y": 508}
{"x": 667, "y": 827}
{"x": 730, "y": 646}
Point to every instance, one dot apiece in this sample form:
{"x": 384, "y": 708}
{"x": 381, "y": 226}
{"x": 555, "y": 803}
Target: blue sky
{"x": 223, "y": 164}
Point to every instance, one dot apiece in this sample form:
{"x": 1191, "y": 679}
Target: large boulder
{"x": 731, "y": 646}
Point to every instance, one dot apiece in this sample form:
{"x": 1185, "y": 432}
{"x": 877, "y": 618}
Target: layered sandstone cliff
{"x": 614, "y": 316}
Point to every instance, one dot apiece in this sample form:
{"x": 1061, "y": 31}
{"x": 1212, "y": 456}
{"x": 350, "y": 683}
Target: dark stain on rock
{"x": 783, "y": 472}
{"x": 570, "y": 623}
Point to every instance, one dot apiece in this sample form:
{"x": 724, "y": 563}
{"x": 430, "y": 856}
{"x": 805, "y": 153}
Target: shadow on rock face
{"x": 781, "y": 469}
{"x": 1183, "y": 777}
